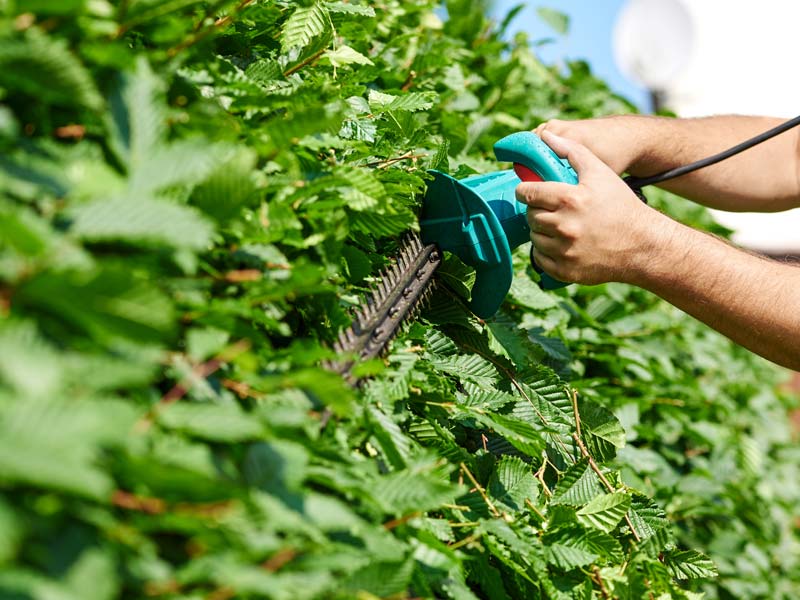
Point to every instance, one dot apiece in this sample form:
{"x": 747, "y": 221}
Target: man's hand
{"x": 599, "y": 231}
{"x": 618, "y": 141}
{"x": 589, "y": 233}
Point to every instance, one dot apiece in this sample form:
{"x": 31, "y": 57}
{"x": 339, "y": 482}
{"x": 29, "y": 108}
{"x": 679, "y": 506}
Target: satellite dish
{"x": 653, "y": 41}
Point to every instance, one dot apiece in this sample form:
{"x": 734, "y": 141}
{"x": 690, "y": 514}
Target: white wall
{"x": 745, "y": 59}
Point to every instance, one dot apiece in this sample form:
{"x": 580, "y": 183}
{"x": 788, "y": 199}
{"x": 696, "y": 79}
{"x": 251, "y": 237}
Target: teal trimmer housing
{"x": 479, "y": 219}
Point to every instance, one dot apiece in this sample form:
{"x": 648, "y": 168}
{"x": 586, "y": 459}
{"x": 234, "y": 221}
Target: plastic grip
{"x": 527, "y": 149}
{"x": 535, "y": 161}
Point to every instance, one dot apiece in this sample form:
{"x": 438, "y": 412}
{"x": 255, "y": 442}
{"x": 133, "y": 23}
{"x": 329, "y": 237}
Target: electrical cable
{"x": 637, "y": 183}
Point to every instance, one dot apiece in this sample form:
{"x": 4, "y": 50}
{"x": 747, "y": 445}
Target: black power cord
{"x": 637, "y": 183}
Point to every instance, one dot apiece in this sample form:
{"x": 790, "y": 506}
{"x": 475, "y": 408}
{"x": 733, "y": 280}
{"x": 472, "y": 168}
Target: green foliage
{"x": 194, "y": 195}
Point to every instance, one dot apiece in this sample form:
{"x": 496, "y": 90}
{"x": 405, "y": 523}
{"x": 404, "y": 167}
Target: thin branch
{"x": 604, "y": 481}
{"x": 217, "y": 25}
{"x": 532, "y": 506}
{"x": 382, "y": 164}
{"x": 409, "y": 81}
{"x": 467, "y": 540}
{"x": 481, "y": 491}
{"x": 305, "y": 62}
{"x": 577, "y": 414}
{"x": 594, "y": 466}
{"x": 599, "y": 580}
{"x": 201, "y": 371}
{"x": 397, "y": 522}
{"x": 280, "y": 558}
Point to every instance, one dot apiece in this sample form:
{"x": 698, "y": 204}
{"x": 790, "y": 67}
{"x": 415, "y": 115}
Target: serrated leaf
{"x": 265, "y": 70}
{"x": 471, "y": 367}
{"x": 513, "y": 483}
{"x": 395, "y": 444}
{"x": 350, "y": 8}
{"x": 440, "y": 160}
{"x": 690, "y": 564}
{"x": 45, "y": 68}
{"x": 345, "y": 55}
{"x": 412, "y": 490}
{"x": 411, "y": 102}
{"x": 382, "y": 579}
{"x": 215, "y": 422}
{"x": 520, "y": 434}
{"x": 381, "y": 225}
{"x": 571, "y": 546}
{"x": 303, "y": 25}
{"x": 226, "y": 189}
{"x": 137, "y": 120}
{"x": 56, "y": 444}
{"x": 605, "y": 512}
{"x": 146, "y": 221}
{"x": 647, "y": 518}
{"x": 577, "y": 486}
{"x": 602, "y": 431}
{"x": 457, "y": 276}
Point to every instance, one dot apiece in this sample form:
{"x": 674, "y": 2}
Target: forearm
{"x": 764, "y": 178}
{"x": 752, "y": 300}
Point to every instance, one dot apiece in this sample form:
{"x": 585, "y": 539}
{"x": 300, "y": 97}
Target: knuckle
{"x": 570, "y": 255}
{"x": 579, "y": 195}
{"x": 569, "y": 230}
{"x": 569, "y": 199}
{"x": 526, "y": 193}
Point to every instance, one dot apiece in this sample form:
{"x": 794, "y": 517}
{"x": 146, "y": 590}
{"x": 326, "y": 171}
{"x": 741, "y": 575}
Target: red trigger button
{"x": 525, "y": 174}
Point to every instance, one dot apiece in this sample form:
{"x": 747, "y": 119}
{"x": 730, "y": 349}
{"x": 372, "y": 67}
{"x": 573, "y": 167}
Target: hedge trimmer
{"x": 479, "y": 220}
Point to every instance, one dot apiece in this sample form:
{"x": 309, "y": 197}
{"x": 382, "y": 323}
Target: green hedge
{"x": 194, "y": 196}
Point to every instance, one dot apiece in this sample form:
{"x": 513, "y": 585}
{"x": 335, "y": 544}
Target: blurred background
{"x": 696, "y": 58}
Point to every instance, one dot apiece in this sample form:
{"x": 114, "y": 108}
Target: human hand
{"x": 592, "y": 232}
{"x": 619, "y": 141}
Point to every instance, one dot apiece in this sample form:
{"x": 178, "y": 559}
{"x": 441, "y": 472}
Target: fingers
{"x": 543, "y": 261}
{"x": 555, "y": 125}
{"x": 546, "y": 195}
{"x": 544, "y": 222}
{"x": 578, "y": 155}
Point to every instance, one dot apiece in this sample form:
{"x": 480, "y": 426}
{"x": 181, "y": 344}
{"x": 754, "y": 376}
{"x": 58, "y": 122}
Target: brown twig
{"x": 599, "y": 581}
{"x": 304, "y": 63}
{"x": 577, "y": 414}
{"x": 532, "y": 506}
{"x": 540, "y": 476}
{"x": 280, "y": 558}
{"x": 382, "y": 164}
{"x": 241, "y": 389}
{"x": 592, "y": 464}
{"x": 465, "y": 541}
{"x": 219, "y": 24}
{"x": 199, "y": 372}
{"x": 397, "y": 522}
{"x": 129, "y": 501}
{"x": 409, "y": 81}
{"x": 481, "y": 491}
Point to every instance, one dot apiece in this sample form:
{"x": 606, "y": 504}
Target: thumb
{"x": 579, "y": 156}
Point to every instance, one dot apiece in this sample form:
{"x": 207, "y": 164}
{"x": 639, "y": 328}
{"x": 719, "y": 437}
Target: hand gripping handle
{"x": 534, "y": 161}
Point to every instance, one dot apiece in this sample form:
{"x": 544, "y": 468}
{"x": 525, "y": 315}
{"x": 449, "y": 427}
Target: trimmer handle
{"x": 534, "y": 161}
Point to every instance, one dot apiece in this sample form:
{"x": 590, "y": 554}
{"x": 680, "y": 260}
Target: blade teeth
{"x": 375, "y": 312}
{"x": 394, "y": 275}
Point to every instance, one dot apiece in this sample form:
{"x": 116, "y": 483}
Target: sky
{"x": 589, "y": 38}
